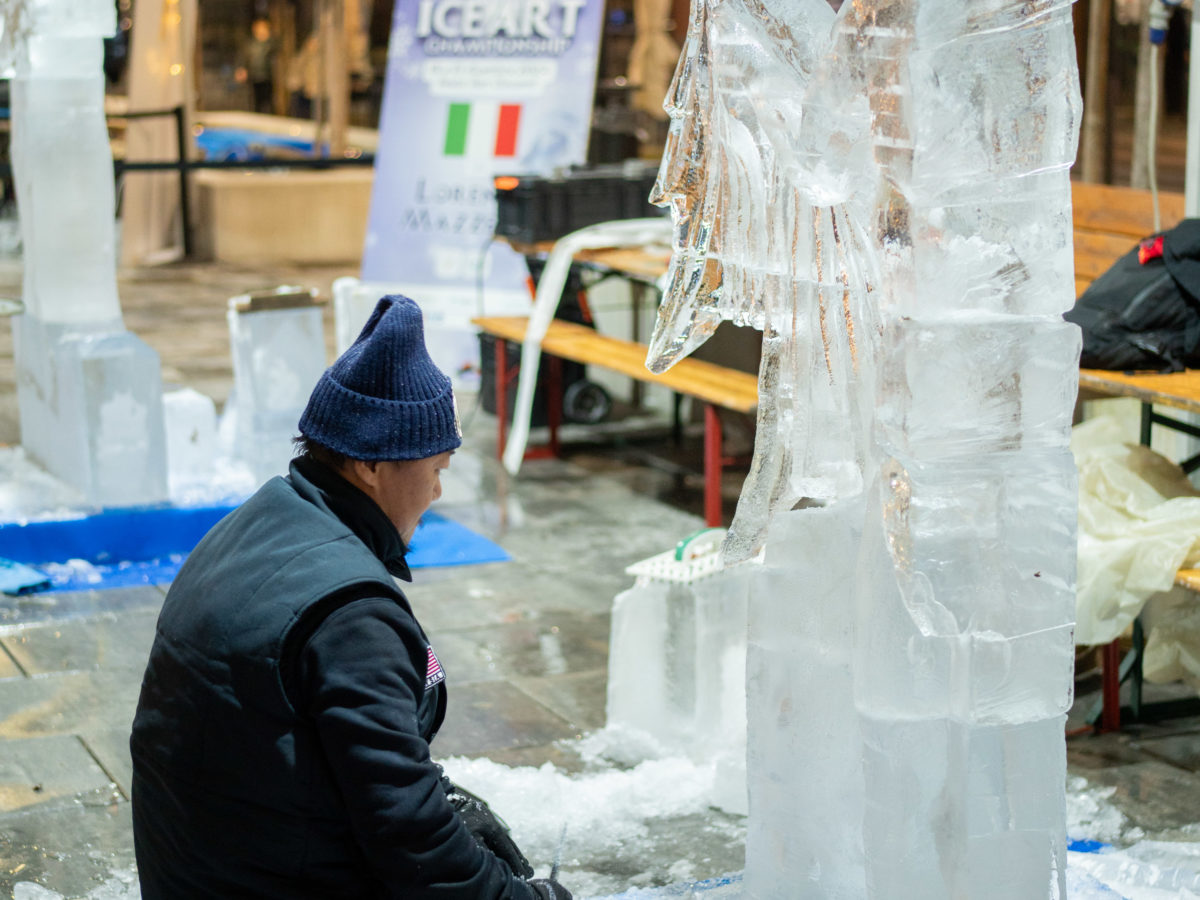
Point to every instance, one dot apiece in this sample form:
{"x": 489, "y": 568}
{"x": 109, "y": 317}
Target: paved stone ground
{"x": 525, "y": 642}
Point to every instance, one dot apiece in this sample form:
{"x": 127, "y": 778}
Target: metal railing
{"x": 183, "y": 165}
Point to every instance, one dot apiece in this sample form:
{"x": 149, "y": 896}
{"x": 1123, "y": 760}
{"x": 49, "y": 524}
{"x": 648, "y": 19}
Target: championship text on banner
{"x": 475, "y": 88}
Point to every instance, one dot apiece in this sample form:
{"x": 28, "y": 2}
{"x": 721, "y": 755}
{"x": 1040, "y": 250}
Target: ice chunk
{"x": 191, "y": 433}
{"x": 119, "y": 394}
{"x": 91, "y": 411}
{"x": 278, "y": 357}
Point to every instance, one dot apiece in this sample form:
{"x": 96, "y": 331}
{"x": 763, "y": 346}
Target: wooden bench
{"x": 715, "y": 386}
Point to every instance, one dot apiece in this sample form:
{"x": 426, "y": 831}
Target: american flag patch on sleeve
{"x": 433, "y": 670}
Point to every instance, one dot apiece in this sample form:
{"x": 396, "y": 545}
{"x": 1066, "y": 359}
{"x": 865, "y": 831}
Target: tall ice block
{"x": 884, "y": 191}
{"x": 278, "y": 343}
{"x": 89, "y": 392}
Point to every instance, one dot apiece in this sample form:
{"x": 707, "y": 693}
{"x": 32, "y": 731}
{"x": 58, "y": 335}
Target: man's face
{"x": 405, "y": 489}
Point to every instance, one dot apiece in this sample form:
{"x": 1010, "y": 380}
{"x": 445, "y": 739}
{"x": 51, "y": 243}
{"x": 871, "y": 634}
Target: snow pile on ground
{"x": 120, "y": 885}
{"x": 611, "y": 808}
{"x": 1091, "y": 817}
{"x": 28, "y": 493}
{"x": 604, "y": 810}
{"x": 597, "y": 822}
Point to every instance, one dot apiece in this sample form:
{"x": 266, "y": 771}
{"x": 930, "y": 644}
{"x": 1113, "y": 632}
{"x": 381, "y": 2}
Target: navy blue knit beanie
{"x": 384, "y": 399}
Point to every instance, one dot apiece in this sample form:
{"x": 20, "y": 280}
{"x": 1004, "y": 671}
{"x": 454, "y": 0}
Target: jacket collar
{"x": 322, "y": 486}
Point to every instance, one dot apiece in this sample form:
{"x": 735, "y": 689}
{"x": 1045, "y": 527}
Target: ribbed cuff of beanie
{"x": 370, "y": 428}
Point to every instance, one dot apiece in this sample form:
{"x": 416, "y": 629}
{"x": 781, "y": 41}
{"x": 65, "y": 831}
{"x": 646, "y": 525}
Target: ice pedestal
{"x": 278, "y": 344}
{"x": 91, "y": 411}
{"x": 677, "y": 661}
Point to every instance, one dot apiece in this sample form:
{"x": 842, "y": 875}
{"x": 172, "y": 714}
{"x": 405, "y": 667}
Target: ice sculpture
{"x": 883, "y": 190}
{"x": 89, "y": 392}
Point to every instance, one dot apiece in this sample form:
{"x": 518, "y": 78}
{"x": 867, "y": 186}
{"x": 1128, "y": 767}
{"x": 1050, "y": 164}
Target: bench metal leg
{"x": 1110, "y": 669}
{"x": 554, "y": 396}
{"x": 502, "y": 380}
{"x": 713, "y": 466}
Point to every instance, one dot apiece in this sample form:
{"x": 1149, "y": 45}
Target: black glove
{"x": 549, "y": 889}
{"x": 488, "y": 829}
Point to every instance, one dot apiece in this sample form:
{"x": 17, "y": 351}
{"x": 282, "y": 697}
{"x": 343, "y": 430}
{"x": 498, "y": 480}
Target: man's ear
{"x": 365, "y": 471}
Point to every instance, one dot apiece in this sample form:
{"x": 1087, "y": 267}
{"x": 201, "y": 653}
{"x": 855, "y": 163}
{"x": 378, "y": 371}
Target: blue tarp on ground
{"x": 119, "y": 548}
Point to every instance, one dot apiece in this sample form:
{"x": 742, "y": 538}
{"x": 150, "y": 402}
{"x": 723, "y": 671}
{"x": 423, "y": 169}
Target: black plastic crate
{"x": 533, "y": 208}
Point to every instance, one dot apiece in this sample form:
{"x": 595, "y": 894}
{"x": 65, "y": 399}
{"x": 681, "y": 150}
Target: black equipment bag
{"x": 1144, "y": 312}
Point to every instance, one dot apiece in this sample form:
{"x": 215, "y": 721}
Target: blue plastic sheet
{"x": 123, "y": 548}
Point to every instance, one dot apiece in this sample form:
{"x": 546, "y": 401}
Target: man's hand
{"x": 549, "y": 889}
{"x": 490, "y": 832}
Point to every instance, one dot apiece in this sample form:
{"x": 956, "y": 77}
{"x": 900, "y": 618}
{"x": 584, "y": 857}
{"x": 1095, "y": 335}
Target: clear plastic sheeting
{"x": 883, "y": 191}
{"x": 1148, "y": 870}
{"x": 1139, "y": 523}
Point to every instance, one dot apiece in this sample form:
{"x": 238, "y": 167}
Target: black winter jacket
{"x": 280, "y": 747}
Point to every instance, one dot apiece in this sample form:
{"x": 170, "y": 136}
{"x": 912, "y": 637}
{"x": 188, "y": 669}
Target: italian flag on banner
{"x": 486, "y": 130}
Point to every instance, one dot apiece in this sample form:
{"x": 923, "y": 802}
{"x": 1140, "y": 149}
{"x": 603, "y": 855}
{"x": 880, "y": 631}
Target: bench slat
{"x": 1121, "y": 210}
{"x": 719, "y": 385}
{"x": 1095, "y": 253}
{"x": 1188, "y": 578}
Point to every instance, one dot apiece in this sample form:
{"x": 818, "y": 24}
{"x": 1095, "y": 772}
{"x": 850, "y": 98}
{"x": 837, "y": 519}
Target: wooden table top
{"x": 1179, "y": 390}
{"x": 1188, "y": 578}
{"x": 644, "y": 263}
{"x": 712, "y": 383}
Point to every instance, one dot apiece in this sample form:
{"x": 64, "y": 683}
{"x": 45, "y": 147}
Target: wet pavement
{"x": 524, "y": 642}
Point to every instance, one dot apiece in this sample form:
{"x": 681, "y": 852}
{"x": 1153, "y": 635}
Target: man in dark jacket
{"x": 281, "y": 742}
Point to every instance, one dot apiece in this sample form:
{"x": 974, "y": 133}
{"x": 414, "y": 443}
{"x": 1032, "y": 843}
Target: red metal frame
{"x": 714, "y": 460}
{"x": 714, "y": 466}
{"x": 1110, "y": 687}
{"x": 506, "y": 375}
